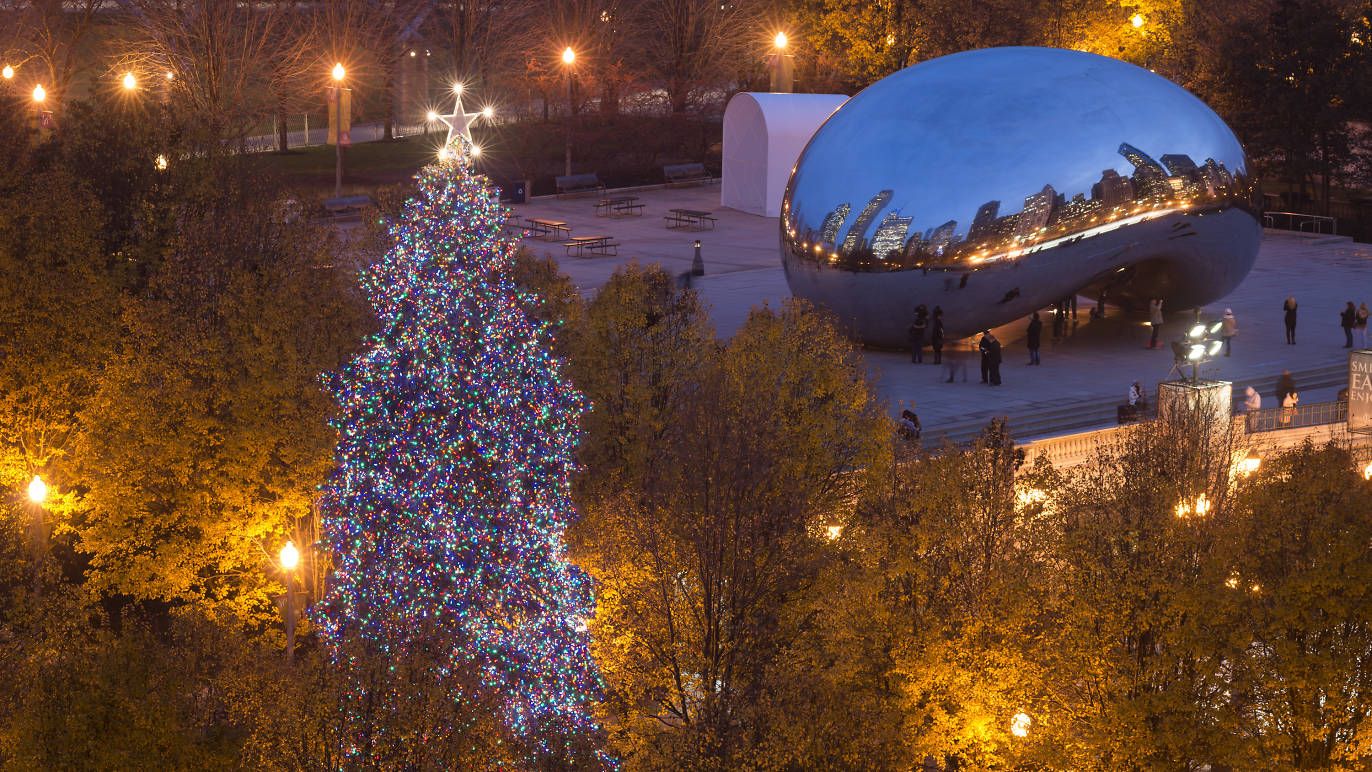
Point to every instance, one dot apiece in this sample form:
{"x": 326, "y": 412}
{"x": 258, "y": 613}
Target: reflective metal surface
{"x": 996, "y": 182}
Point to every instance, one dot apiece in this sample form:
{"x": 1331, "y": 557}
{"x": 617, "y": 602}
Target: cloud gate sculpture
{"x": 997, "y": 182}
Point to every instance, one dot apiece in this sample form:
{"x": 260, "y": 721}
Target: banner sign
{"x": 340, "y": 116}
{"x": 1360, "y": 392}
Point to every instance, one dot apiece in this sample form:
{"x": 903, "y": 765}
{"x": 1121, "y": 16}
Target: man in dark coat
{"x": 1346, "y": 320}
{"x": 1033, "y": 337}
{"x": 993, "y": 353}
{"x": 917, "y": 329}
{"x": 984, "y": 346}
{"x": 1289, "y": 316}
{"x": 936, "y": 335}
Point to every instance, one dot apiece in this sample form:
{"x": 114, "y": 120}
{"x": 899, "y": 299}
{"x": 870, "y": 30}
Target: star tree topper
{"x": 459, "y": 121}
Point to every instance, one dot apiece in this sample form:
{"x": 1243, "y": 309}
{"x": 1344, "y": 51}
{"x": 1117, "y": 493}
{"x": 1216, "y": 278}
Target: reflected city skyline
{"x": 881, "y": 239}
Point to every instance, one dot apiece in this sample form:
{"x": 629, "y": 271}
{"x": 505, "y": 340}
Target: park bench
{"x": 689, "y": 218}
{"x": 596, "y": 245}
{"x": 685, "y": 174}
{"x": 570, "y": 184}
{"x": 546, "y": 229}
{"x": 342, "y": 206}
{"x": 618, "y": 206}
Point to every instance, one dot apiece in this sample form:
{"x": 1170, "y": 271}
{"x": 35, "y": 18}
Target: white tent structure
{"x": 763, "y": 137}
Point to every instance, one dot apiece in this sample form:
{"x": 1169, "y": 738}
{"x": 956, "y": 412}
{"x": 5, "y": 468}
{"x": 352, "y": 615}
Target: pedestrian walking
{"x": 1252, "y": 404}
{"x": 1059, "y": 322}
{"x": 1155, "y": 319}
{"x": 1033, "y": 337}
{"x": 1285, "y": 385}
{"x": 1360, "y": 324}
{"x": 936, "y": 334}
{"x": 1347, "y": 320}
{"x": 917, "y": 329}
{"x": 1229, "y": 327}
{"x": 1289, "y": 312}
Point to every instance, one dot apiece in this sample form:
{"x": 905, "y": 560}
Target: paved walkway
{"x": 1097, "y": 360}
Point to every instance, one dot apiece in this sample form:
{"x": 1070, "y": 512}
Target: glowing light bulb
{"x": 431, "y": 116}
{"x": 339, "y": 72}
{"x": 476, "y": 151}
{"x": 781, "y": 41}
{"x": 457, "y": 88}
{"x": 38, "y": 490}
{"x": 290, "y": 556}
{"x": 39, "y": 94}
{"x": 130, "y": 82}
{"x": 568, "y": 55}
{"x": 8, "y": 72}
{"x": 488, "y": 112}
{"x": 160, "y": 162}
{"x": 1019, "y": 725}
{"x": 1137, "y": 20}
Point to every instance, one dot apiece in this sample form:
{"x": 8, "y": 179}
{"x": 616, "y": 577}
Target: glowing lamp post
{"x": 38, "y": 493}
{"x": 1019, "y": 724}
{"x": 782, "y": 65}
{"x": 340, "y": 122}
{"x": 130, "y": 82}
{"x": 40, "y": 94}
{"x": 290, "y": 558}
{"x": 569, "y": 62}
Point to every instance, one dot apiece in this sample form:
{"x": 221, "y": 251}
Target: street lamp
{"x": 290, "y": 558}
{"x": 1137, "y": 20}
{"x": 1367, "y": 471}
{"x": 40, "y": 94}
{"x": 1019, "y": 725}
{"x": 339, "y": 105}
{"x": 569, "y": 61}
{"x": 130, "y": 82}
{"x": 8, "y": 72}
{"x": 1250, "y": 462}
{"x": 782, "y": 65}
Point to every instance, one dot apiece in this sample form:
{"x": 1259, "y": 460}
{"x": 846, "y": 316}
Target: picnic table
{"x": 618, "y": 205}
{"x": 547, "y": 229}
{"x": 689, "y": 218}
{"x": 596, "y": 245}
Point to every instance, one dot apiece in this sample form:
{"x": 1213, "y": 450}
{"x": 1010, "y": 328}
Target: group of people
{"x": 1353, "y": 319}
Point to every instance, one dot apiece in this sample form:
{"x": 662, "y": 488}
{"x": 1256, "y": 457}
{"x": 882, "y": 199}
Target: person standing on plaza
{"x": 1252, "y": 400}
{"x": 1347, "y": 319}
{"x": 1289, "y": 309}
{"x": 936, "y": 334}
{"x": 992, "y": 357}
{"x": 1360, "y": 324}
{"x": 917, "y": 329}
{"x": 1033, "y": 337}
{"x": 984, "y": 346}
{"x": 1155, "y": 319}
{"x": 1229, "y": 327}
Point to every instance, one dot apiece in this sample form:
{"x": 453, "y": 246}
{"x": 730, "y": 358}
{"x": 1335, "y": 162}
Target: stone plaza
{"x": 1084, "y": 375}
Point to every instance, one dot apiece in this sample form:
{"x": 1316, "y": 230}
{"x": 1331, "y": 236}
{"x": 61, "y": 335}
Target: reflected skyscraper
{"x": 942, "y": 236}
{"x": 864, "y": 219}
{"x": 1180, "y": 164}
{"x": 1037, "y": 209}
{"x": 1113, "y": 190}
{"x": 832, "y": 222}
{"x": 890, "y": 235}
{"x": 983, "y": 224}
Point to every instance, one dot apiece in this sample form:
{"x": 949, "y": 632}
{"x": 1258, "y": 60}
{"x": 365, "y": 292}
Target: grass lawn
{"x": 365, "y": 165}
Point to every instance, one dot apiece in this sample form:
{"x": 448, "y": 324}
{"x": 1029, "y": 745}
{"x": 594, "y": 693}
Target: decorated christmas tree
{"x": 446, "y": 511}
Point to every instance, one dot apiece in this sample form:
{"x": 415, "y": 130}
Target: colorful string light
{"x": 446, "y": 511}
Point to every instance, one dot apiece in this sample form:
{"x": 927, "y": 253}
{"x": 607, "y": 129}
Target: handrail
{"x": 1313, "y": 414}
{"x": 1299, "y": 221}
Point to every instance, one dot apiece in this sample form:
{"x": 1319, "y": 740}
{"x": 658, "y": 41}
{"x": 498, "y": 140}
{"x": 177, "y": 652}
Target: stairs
{"x": 1099, "y": 412}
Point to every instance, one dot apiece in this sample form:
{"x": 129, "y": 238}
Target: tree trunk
{"x": 282, "y": 136}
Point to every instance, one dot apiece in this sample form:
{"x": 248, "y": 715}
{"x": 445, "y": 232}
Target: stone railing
{"x": 1070, "y": 450}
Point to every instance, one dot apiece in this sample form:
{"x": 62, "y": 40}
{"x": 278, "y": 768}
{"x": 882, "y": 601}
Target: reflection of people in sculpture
{"x": 1155, "y": 319}
{"x": 1289, "y": 311}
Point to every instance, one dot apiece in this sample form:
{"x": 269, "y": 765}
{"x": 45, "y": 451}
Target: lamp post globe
{"x": 38, "y": 490}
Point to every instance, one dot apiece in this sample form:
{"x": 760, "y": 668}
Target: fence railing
{"x": 1313, "y": 414}
{"x": 1300, "y": 221}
